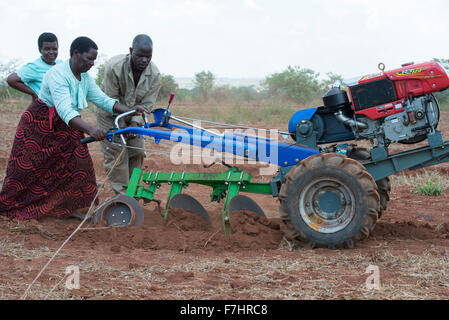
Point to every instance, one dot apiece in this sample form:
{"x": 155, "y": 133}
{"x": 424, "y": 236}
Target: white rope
{"x": 230, "y": 125}
{"x": 57, "y": 285}
{"x": 88, "y": 215}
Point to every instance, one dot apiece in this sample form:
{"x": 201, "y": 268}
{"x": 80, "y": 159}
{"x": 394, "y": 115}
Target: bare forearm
{"x": 15, "y": 82}
{"x": 80, "y": 124}
{"x": 148, "y": 106}
{"x": 120, "y": 108}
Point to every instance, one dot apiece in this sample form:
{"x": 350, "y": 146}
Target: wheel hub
{"x": 119, "y": 215}
{"x": 326, "y": 205}
{"x": 120, "y": 211}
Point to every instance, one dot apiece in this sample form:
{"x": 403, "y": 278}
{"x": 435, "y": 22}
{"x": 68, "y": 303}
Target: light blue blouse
{"x": 61, "y": 89}
{"x": 33, "y": 72}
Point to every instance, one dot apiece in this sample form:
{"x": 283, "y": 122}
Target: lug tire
{"x": 383, "y": 185}
{"x": 353, "y": 178}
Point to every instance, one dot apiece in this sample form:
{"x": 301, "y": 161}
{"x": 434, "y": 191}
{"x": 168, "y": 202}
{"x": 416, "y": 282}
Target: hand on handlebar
{"x": 120, "y": 108}
{"x": 98, "y": 134}
{"x": 122, "y": 123}
{"x": 139, "y": 109}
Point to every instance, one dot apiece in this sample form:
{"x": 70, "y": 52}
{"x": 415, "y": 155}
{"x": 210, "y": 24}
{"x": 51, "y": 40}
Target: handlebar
{"x": 87, "y": 140}
{"x": 91, "y": 139}
{"x": 118, "y": 118}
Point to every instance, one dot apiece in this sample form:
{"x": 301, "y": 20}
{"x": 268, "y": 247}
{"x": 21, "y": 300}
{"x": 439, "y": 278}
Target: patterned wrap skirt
{"x": 49, "y": 173}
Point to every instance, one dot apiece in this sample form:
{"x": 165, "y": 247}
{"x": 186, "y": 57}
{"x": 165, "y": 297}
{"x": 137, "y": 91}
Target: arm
{"x": 60, "y": 94}
{"x": 97, "y": 133}
{"x": 80, "y": 124}
{"x": 14, "y": 81}
{"x": 98, "y": 97}
{"x": 120, "y": 108}
{"x": 103, "y": 101}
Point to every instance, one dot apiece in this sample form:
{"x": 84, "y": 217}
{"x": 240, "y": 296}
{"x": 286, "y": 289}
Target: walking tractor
{"x": 331, "y": 191}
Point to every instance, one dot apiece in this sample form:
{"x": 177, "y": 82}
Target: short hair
{"x": 142, "y": 41}
{"x": 46, "y": 37}
{"x": 82, "y": 44}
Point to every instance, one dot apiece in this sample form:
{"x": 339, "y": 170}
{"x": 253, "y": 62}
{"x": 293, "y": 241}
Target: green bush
{"x": 168, "y": 85}
{"x": 296, "y": 84}
{"x": 299, "y": 85}
{"x": 8, "y": 93}
{"x": 204, "y": 82}
{"x": 428, "y": 189}
{"x": 245, "y": 94}
{"x": 222, "y": 94}
{"x": 6, "y": 68}
{"x": 100, "y": 74}
{"x": 5, "y": 93}
{"x": 183, "y": 95}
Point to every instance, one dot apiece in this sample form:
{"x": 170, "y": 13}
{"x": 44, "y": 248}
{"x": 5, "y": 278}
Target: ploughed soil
{"x": 185, "y": 257}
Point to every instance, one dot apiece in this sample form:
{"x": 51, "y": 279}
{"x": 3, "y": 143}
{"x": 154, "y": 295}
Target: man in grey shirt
{"x": 134, "y": 80}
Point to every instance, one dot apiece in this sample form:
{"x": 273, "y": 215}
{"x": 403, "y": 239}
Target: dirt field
{"x": 183, "y": 258}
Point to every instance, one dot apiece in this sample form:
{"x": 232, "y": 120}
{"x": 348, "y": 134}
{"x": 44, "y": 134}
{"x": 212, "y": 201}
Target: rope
{"x": 88, "y": 215}
{"x": 226, "y": 125}
{"x": 57, "y": 285}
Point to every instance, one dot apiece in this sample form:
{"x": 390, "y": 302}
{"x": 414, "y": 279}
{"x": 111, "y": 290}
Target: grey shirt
{"x": 118, "y": 83}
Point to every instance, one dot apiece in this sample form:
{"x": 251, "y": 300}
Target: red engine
{"x": 383, "y": 94}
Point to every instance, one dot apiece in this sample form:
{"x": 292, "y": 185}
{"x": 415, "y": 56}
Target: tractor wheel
{"x": 120, "y": 211}
{"x": 383, "y": 188}
{"x": 383, "y": 185}
{"x": 329, "y": 200}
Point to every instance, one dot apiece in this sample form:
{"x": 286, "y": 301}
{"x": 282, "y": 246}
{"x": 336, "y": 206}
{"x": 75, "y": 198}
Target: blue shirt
{"x": 60, "y": 88}
{"x": 33, "y": 72}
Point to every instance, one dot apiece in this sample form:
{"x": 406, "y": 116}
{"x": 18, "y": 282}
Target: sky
{"x": 238, "y": 38}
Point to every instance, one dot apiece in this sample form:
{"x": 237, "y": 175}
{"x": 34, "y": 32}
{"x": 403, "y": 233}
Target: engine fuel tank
{"x": 381, "y": 95}
{"x": 419, "y": 79}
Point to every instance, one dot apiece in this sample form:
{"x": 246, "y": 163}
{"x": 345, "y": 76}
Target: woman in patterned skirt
{"x": 50, "y": 173}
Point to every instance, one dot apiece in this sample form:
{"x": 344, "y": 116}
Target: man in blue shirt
{"x": 28, "y": 79}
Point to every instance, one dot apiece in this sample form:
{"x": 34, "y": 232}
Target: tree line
{"x": 294, "y": 84}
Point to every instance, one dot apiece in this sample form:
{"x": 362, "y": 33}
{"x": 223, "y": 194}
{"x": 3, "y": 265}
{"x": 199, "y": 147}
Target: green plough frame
{"x": 225, "y": 185}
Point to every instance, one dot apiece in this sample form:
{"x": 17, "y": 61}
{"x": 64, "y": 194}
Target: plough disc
{"x": 186, "y": 202}
{"x": 240, "y": 202}
{"x": 120, "y": 211}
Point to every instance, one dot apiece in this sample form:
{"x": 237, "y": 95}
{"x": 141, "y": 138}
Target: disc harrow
{"x": 226, "y": 187}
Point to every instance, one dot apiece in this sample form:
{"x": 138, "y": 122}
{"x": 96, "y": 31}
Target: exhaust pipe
{"x": 357, "y": 125}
